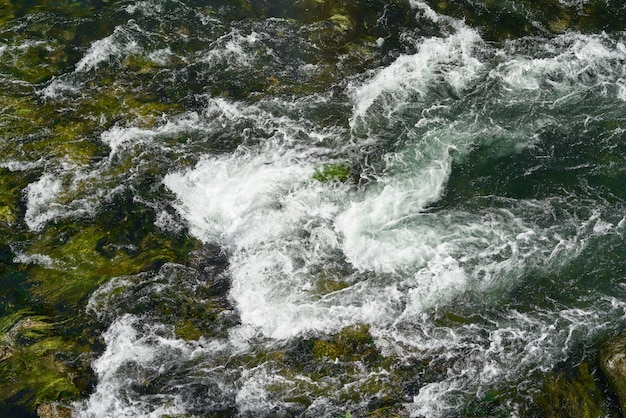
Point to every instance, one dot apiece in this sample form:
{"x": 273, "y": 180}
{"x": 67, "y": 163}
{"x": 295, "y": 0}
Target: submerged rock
{"x": 576, "y": 397}
{"x": 613, "y": 365}
{"x": 332, "y": 172}
{"x": 53, "y": 410}
{"x": 38, "y": 365}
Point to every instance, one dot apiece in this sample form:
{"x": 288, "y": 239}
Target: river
{"x": 310, "y": 208}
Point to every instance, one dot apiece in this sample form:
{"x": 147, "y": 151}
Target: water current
{"x": 312, "y": 208}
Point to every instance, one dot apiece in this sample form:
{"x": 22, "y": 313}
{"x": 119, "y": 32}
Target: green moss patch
{"x": 39, "y": 368}
{"x": 576, "y": 397}
{"x": 332, "y": 172}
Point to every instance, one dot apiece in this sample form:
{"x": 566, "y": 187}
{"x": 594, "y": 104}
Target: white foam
{"x": 20, "y": 165}
{"x": 146, "y": 8}
{"x": 236, "y": 49}
{"x": 167, "y": 222}
{"x": 161, "y": 56}
{"x": 426, "y": 10}
{"x": 59, "y": 88}
{"x": 128, "y": 355}
{"x": 40, "y": 259}
{"x": 120, "y": 43}
{"x": 40, "y": 201}
{"x": 448, "y": 60}
{"x": 571, "y": 63}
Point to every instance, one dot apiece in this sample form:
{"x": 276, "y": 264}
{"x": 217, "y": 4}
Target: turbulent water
{"x": 396, "y": 208}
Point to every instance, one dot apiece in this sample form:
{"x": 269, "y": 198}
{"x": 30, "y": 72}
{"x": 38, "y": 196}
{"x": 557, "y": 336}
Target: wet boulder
{"x": 575, "y": 396}
{"x": 53, "y": 410}
{"x": 613, "y": 364}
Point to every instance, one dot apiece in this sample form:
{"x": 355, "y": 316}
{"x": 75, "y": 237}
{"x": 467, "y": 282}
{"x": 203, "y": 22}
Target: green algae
{"x": 490, "y": 404}
{"x": 187, "y": 330}
{"x": 123, "y": 241}
{"x": 19, "y": 118}
{"x": 332, "y": 172}
{"x": 346, "y": 366}
{"x": 350, "y": 344}
{"x": 386, "y": 412}
{"x": 42, "y": 355}
{"x": 576, "y": 397}
{"x": 613, "y": 366}
{"x": 7, "y": 11}
{"x": 327, "y": 285}
{"x": 9, "y": 197}
{"x": 42, "y": 364}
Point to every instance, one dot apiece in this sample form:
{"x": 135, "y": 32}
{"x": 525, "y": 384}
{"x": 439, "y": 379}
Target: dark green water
{"x": 311, "y": 208}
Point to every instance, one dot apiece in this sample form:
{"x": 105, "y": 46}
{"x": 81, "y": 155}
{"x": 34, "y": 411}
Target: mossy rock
{"x": 387, "y": 412}
{"x": 11, "y": 185}
{"x": 575, "y": 397}
{"x": 54, "y": 410}
{"x": 613, "y": 365}
{"x": 352, "y": 343}
{"x": 7, "y": 11}
{"x": 175, "y": 295}
{"x": 19, "y": 118}
{"x": 327, "y": 285}
{"x": 123, "y": 240}
{"x": 187, "y": 330}
{"x": 332, "y": 172}
{"x": 43, "y": 365}
{"x": 490, "y": 404}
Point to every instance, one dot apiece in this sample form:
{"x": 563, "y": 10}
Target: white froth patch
{"x": 146, "y": 8}
{"x": 425, "y": 10}
{"x": 161, "y": 56}
{"x": 447, "y": 60}
{"x": 123, "y": 140}
{"x": 222, "y": 198}
{"x": 59, "y": 88}
{"x": 165, "y": 221}
{"x": 127, "y": 353}
{"x": 571, "y": 63}
{"x": 120, "y": 43}
{"x": 235, "y": 48}
{"x": 258, "y": 206}
{"x": 40, "y": 201}
{"x": 38, "y": 259}
{"x": 21, "y": 165}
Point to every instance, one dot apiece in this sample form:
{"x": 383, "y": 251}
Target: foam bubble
{"x": 40, "y": 259}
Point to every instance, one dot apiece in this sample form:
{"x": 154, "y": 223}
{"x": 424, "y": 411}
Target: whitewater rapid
{"x": 393, "y": 238}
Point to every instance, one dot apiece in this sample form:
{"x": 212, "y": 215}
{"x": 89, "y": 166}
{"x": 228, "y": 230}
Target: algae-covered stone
{"x": 387, "y": 412}
{"x": 350, "y": 344}
{"x": 575, "y": 397}
{"x": 54, "y": 410}
{"x": 613, "y": 365}
{"x": 345, "y": 366}
{"x": 488, "y": 405}
{"x": 42, "y": 366}
{"x": 122, "y": 241}
{"x": 332, "y": 172}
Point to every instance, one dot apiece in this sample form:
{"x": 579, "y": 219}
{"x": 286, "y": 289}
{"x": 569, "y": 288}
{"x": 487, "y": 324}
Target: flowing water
{"x": 412, "y": 208}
